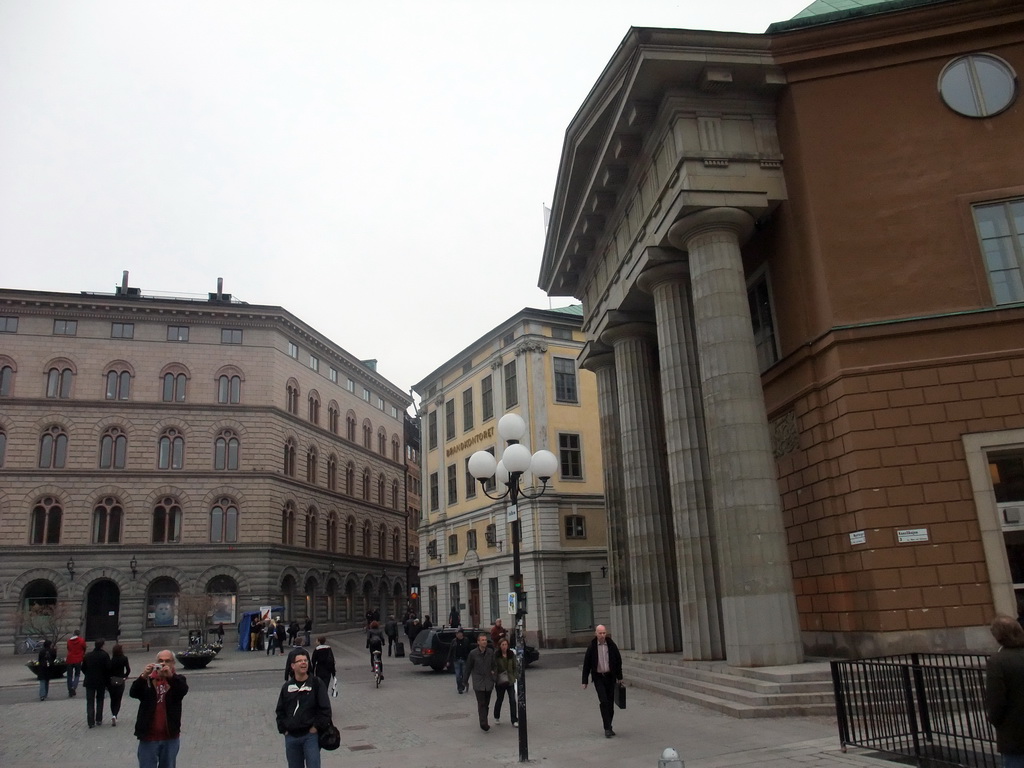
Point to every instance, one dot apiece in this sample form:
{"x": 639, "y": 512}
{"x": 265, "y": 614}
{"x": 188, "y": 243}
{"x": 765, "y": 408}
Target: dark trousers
{"x": 510, "y": 692}
{"x": 94, "y": 704}
{"x": 391, "y": 642}
{"x": 605, "y": 687}
{"x": 483, "y": 704}
{"x": 116, "y": 693}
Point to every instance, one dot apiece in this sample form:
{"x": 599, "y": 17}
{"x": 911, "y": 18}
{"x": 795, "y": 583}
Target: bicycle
{"x": 378, "y": 668}
{"x": 28, "y": 645}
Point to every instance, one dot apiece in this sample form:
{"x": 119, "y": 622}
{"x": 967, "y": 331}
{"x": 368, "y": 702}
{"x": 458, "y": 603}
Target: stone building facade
{"x": 526, "y": 365}
{"x": 799, "y": 255}
{"x": 167, "y": 463}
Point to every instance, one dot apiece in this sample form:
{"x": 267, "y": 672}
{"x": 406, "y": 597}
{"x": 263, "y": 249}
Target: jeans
{"x": 510, "y": 692}
{"x": 460, "y": 674}
{"x": 158, "y": 754}
{"x": 272, "y": 645}
{"x": 94, "y": 705}
{"x": 74, "y": 672}
{"x": 44, "y": 686}
{"x": 302, "y": 751}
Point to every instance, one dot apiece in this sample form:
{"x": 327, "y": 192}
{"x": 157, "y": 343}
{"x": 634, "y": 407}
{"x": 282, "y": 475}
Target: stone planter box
{"x": 195, "y": 661}
{"x": 57, "y": 669}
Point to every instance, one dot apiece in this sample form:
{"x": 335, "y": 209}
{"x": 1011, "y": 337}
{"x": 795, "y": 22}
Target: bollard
{"x": 670, "y": 759}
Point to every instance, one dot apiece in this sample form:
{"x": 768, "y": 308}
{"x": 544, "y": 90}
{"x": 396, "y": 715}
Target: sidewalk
{"x": 415, "y": 718}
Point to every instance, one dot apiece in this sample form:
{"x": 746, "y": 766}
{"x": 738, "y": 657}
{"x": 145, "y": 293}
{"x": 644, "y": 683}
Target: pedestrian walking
{"x": 480, "y": 668}
{"x": 603, "y": 663}
{"x": 282, "y": 636}
{"x": 95, "y": 677}
{"x": 219, "y": 632}
{"x": 120, "y": 671}
{"x": 272, "y": 638}
{"x": 303, "y": 710}
{"x": 322, "y": 663}
{"x": 458, "y": 652}
{"x": 391, "y": 631}
{"x": 159, "y": 690}
{"x": 307, "y": 630}
{"x": 454, "y": 619}
{"x": 73, "y": 659}
{"x": 293, "y": 633}
{"x": 506, "y": 673}
{"x": 46, "y": 659}
{"x": 1004, "y": 690}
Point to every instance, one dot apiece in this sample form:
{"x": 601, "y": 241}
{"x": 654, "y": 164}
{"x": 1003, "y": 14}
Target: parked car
{"x": 431, "y": 646}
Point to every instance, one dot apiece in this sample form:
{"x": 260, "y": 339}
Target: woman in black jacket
{"x": 322, "y": 661}
{"x": 120, "y": 671}
{"x": 303, "y": 710}
{"x": 47, "y": 658}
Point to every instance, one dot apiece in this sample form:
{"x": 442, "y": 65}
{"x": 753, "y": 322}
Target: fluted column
{"x": 688, "y": 470}
{"x": 620, "y": 609}
{"x": 758, "y": 603}
{"x": 645, "y": 489}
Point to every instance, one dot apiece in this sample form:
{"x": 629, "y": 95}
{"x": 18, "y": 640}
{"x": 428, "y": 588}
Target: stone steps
{"x": 792, "y": 690}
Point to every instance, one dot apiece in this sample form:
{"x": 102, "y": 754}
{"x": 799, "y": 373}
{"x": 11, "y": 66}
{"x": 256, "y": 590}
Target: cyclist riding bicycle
{"x": 375, "y": 642}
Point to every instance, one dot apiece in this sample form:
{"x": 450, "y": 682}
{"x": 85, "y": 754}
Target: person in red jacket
{"x": 76, "y": 654}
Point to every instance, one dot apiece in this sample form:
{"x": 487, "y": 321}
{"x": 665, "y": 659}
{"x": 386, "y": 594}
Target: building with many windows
{"x": 815, "y": 237}
{"x": 168, "y": 461}
{"x": 526, "y": 365}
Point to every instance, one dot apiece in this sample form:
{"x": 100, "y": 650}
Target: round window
{"x": 978, "y": 85}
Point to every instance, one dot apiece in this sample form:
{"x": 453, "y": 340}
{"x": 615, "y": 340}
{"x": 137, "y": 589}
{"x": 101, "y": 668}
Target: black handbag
{"x": 620, "y": 696}
{"x": 329, "y": 737}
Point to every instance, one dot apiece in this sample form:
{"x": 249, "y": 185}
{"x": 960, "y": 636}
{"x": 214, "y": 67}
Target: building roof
{"x": 572, "y": 309}
{"x": 831, "y": 11}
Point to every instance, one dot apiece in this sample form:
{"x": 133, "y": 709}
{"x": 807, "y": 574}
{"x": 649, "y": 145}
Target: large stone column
{"x": 603, "y": 366}
{"x": 645, "y": 489}
{"x": 688, "y": 468}
{"x": 758, "y": 604}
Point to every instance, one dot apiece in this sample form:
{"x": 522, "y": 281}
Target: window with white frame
{"x": 1001, "y": 233}
{"x": 565, "y": 380}
{"x": 575, "y": 527}
{"x": 570, "y": 456}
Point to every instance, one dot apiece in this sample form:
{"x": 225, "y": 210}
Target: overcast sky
{"x": 376, "y": 168}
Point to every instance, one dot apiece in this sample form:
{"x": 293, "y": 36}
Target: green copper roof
{"x": 572, "y": 309}
{"x": 829, "y": 11}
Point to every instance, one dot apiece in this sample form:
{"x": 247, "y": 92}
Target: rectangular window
{"x": 570, "y": 456}
{"x": 581, "y": 602}
{"x": 314, "y": 363}
{"x": 453, "y": 484}
{"x": 380, "y": 403}
{"x": 366, "y": 394}
{"x": 449, "y": 420}
{"x": 8, "y": 325}
{"x": 486, "y": 399}
{"x": 177, "y": 333}
{"x": 432, "y": 430}
{"x": 122, "y": 330}
{"x": 467, "y": 366}
{"x": 511, "y": 385}
{"x": 435, "y": 492}
{"x": 333, "y": 375}
{"x": 293, "y": 350}
{"x": 454, "y": 594}
{"x": 491, "y": 535}
{"x": 394, "y": 412}
{"x": 65, "y": 327}
{"x": 453, "y": 544}
{"x": 492, "y": 599}
{"x": 467, "y": 409}
{"x": 230, "y": 335}
{"x": 561, "y": 332}
{"x": 470, "y": 540}
{"x": 565, "y": 380}
{"x": 759, "y": 299}
{"x": 470, "y": 483}
{"x": 575, "y": 527}
{"x": 508, "y": 338}
{"x": 1001, "y": 232}
{"x": 350, "y": 386}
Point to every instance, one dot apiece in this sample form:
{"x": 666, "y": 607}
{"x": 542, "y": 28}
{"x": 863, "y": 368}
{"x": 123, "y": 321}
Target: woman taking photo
{"x": 506, "y": 672}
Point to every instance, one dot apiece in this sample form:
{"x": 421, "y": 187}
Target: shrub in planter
{"x": 56, "y": 670}
{"x": 195, "y": 658}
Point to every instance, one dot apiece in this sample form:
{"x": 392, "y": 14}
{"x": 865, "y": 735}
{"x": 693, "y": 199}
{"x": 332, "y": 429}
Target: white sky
{"x": 376, "y": 168}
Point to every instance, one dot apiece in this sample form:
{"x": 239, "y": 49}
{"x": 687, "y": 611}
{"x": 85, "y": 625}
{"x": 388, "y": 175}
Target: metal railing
{"x": 926, "y": 706}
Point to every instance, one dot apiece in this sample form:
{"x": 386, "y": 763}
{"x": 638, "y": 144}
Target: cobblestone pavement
{"x": 415, "y": 720}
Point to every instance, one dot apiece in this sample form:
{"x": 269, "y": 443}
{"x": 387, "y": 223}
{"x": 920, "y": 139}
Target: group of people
{"x": 99, "y": 672}
{"x": 487, "y": 669}
{"x": 273, "y": 634}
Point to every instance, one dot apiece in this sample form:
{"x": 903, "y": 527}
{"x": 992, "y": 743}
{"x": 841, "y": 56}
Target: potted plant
{"x": 56, "y": 670}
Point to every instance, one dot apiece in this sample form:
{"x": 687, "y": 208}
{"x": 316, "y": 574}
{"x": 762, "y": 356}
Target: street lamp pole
{"x": 515, "y": 461}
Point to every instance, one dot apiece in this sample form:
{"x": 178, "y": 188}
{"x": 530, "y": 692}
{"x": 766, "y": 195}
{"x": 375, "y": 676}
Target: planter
{"x": 56, "y": 670}
{"x": 192, "y": 660}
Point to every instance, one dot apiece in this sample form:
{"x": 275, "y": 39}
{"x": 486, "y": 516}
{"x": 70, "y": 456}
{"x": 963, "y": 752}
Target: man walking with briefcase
{"x": 603, "y": 663}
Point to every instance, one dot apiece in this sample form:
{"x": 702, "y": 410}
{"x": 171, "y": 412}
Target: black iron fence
{"x": 926, "y": 706}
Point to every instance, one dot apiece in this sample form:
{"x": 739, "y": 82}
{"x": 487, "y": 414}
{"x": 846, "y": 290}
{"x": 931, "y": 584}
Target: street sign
{"x": 511, "y": 603}
{"x": 512, "y": 513}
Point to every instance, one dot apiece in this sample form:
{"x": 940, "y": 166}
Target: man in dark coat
{"x": 1004, "y": 690}
{"x": 159, "y": 690}
{"x": 603, "y": 663}
{"x": 391, "y": 631}
{"x": 480, "y": 670}
{"x": 95, "y": 677}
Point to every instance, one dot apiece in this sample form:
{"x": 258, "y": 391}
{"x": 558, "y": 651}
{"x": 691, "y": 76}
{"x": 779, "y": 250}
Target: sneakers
{"x": 515, "y": 723}
{"x": 113, "y": 721}
{"x": 608, "y": 733}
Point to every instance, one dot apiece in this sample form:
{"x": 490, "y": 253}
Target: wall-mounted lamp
{"x": 604, "y": 571}
{"x": 71, "y": 567}
{"x": 331, "y": 571}
{"x": 134, "y": 565}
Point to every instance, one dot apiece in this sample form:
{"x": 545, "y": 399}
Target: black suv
{"x": 431, "y": 646}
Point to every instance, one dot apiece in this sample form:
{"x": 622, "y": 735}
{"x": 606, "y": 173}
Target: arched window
{"x": 224, "y": 522}
{"x": 382, "y": 442}
{"x": 229, "y": 389}
{"x": 171, "y": 450}
{"x": 366, "y": 538}
{"x": 288, "y": 524}
{"x": 380, "y": 490}
{"x": 366, "y": 484}
{"x": 118, "y": 385}
{"x": 350, "y": 536}
{"x": 311, "y": 461}
{"x": 47, "y": 515}
{"x": 58, "y": 383}
{"x": 331, "y": 543}
{"x": 332, "y": 418}
{"x": 314, "y": 408}
{"x": 367, "y": 435}
{"x": 174, "y": 387}
{"x": 311, "y": 523}
{"x": 396, "y": 448}
{"x": 290, "y": 450}
{"x": 350, "y": 479}
{"x": 107, "y": 516}
{"x": 225, "y": 451}
{"x": 394, "y": 494}
{"x": 6, "y": 380}
{"x": 53, "y": 448}
{"x": 292, "y": 397}
{"x": 162, "y": 603}
{"x": 396, "y": 539}
{"x": 332, "y": 473}
{"x": 382, "y": 541}
{"x": 167, "y": 521}
{"x": 223, "y": 590}
{"x": 350, "y": 426}
{"x": 113, "y": 449}
{"x": 3, "y": 446}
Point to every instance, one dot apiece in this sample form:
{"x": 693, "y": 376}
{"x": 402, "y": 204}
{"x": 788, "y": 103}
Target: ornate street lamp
{"x": 134, "y": 565}
{"x": 515, "y": 461}
{"x": 71, "y": 567}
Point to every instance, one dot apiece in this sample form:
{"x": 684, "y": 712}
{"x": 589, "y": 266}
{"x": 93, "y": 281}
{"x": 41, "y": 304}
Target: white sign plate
{"x": 512, "y": 513}
{"x": 910, "y": 535}
{"x": 858, "y": 537}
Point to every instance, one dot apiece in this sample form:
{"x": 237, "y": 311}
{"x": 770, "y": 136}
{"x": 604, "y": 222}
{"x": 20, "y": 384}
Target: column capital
{"x": 595, "y": 356}
{"x": 663, "y": 272}
{"x": 627, "y": 325}
{"x": 733, "y": 220}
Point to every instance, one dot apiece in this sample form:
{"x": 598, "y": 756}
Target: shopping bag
{"x": 334, "y": 687}
{"x": 620, "y": 696}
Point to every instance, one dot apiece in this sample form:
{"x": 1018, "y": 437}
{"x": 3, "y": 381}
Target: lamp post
{"x": 134, "y": 565}
{"x": 515, "y": 461}
{"x": 71, "y": 567}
